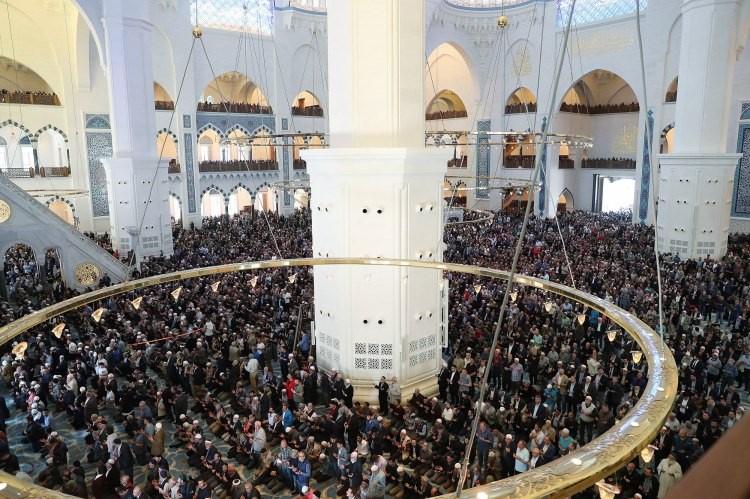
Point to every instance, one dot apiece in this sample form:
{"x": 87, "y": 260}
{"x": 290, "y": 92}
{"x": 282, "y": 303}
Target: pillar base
{"x": 695, "y": 194}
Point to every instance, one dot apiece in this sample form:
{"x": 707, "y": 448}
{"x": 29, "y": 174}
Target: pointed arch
{"x": 521, "y": 100}
{"x": 49, "y": 127}
{"x": 446, "y": 104}
{"x": 600, "y": 92}
{"x": 211, "y": 126}
{"x": 567, "y": 197}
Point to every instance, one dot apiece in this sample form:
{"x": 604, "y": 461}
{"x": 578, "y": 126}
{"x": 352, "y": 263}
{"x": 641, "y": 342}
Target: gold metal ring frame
{"x": 561, "y": 478}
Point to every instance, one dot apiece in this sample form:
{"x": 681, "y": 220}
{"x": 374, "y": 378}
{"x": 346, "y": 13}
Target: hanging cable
{"x": 516, "y": 255}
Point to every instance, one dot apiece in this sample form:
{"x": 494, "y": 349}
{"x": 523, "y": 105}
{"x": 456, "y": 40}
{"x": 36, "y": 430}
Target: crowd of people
{"x": 222, "y": 373}
{"x": 314, "y": 110}
{"x": 520, "y": 107}
{"x": 234, "y": 107}
{"x": 237, "y": 165}
{"x": 608, "y": 163}
{"x": 29, "y": 97}
{"x": 633, "y": 107}
{"x": 444, "y": 115}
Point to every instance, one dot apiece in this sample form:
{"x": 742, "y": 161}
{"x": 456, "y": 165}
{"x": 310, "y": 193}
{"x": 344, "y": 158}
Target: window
{"x": 234, "y": 15}
{"x": 27, "y": 156}
{"x": 589, "y": 11}
{"x": 205, "y": 152}
{"x": 3, "y": 156}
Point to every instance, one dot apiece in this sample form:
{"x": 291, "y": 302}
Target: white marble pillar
{"x": 695, "y": 182}
{"x": 377, "y": 192}
{"x": 138, "y": 192}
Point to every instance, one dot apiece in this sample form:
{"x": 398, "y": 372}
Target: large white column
{"x": 377, "y": 193}
{"x": 695, "y": 188}
{"x": 138, "y": 193}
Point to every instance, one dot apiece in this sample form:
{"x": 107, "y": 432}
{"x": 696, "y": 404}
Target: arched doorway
{"x": 262, "y": 152}
{"x": 62, "y": 210}
{"x": 671, "y": 95}
{"x": 446, "y": 105}
{"x": 212, "y": 203}
{"x": 162, "y": 100}
{"x": 301, "y": 199}
{"x": 307, "y": 104}
{"x": 234, "y": 92}
{"x": 17, "y": 151}
{"x": 166, "y": 147}
{"x": 522, "y": 100}
{"x": 240, "y": 201}
{"x": 565, "y": 202}
{"x": 21, "y": 269}
{"x": 175, "y": 208}
{"x": 265, "y": 200}
{"x": 209, "y": 145}
{"x": 52, "y": 150}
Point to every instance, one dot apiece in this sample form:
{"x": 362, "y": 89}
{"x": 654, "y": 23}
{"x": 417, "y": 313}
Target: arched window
{"x": 234, "y": 15}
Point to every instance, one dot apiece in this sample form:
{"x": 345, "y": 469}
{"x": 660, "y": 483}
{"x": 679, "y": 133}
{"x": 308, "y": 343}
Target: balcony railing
{"x": 234, "y": 107}
{"x": 237, "y": 166}
{"x": 633, "y": 107}
{"x": 316, "y": 111}
{"x": 520, "y": 108}
{"x": 164, "y": 105}
{"x": 566, "y": 163}
{"x": 445, "y": 115}
{"x": 174, "y": 167}
{"x": 54, "y": 171}
{"x": 17, "y": 172}
{"x": 461, "y": 162}
{"x": 609, "y": 163}
{"x": 38, "y": 98}
{"x": 300, "y": 164}
{"x": 519, "y": 161}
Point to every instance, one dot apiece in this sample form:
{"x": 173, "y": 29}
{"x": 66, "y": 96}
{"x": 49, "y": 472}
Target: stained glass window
{"x": 235, "y": 15}
{"x": 589, "y": 11}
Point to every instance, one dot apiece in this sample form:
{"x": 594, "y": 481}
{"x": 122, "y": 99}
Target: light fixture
{"x": 137, "y": 302}
{"x": 254, "y": 281}
{"x": 176, "y": 293}
{"x": 329, "y": 277}
{"x": 635, "y": 424}
{"x": 606, "y": 490}
{"x": 477, "y": 288}
{"x": 292, "y": 278}
{"x": 215, "y": 286}
{"x": 3, "y": 485}
{"x": 581, "y": 319}
{"x": 19, "y": 350}
{"x": 548, "y": 306}
{"x": 502, "y": 21}
{"x": 637, "y": 355}
{"x": 58, "y": 330}
{"x": 612, "y": 334}
{"x": 513, "y": 295}
{"x": 482, "y": 495}
{"x": 576, "y": 461}
{"x": 97, "y": 315}
{"x": 648, "y": 453}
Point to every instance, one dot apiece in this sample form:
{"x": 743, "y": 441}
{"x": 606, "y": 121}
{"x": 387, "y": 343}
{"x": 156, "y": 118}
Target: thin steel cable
{"x": 517, "y": 254}
{"x": 131, "y": 262}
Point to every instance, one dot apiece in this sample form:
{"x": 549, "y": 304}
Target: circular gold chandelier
{"x": 560, "y": 478}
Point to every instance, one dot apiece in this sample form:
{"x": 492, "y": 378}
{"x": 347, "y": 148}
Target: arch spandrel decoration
{"x": 564, "y": 476}
{"x": 5, "y": 211}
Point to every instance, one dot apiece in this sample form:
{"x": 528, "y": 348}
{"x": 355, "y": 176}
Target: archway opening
{"x": 209, "y": 146}
{"x": 22, "y": 85}
{"x": 62, "y": 210}
{"x": 234, "y": 92}
{"x": 166, "y": 147}
{"x": 671, "y": 95}
{"x": 175, "y": 208}
{"x": 212, "y": 204}
{"x": 618, "y": 194}
{"x": 446, "y": 105}
{"x": 20, "y": 268}
{"x": 668, "y": 141}
{"x": 565, "y": 202}
{"x": 53, "y": 272}
{"x": 262, "y": 152}
{"x": 301, "y": 199}
{"x": 307, "y": 104}
{"x": 52, "y": 153}
{"x": 600, "y": 92}
{"x": 240, "y": 201}
{"x": 522, "y": 100}
{"x": 16, "y": 151}
{"x": 162, "y": 100}
{"x": 265, "y": 200}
